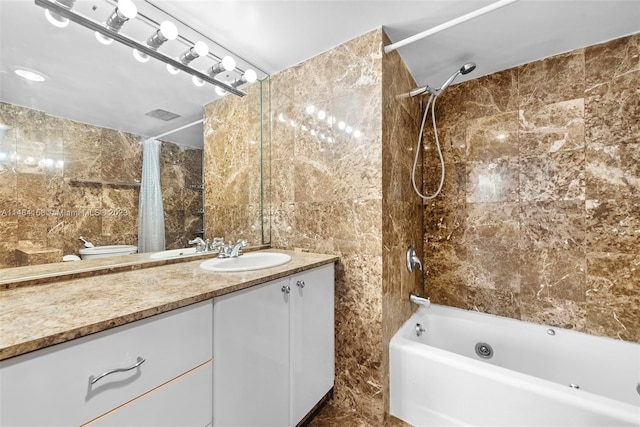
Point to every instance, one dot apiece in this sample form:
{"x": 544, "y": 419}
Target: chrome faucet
{"x": 201, "y": 245}
{"x": 232, "y": 251}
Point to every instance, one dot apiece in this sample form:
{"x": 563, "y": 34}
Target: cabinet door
{"x": 251, "y": 357}
{"x": 184, "y": 401}
{"x": 312, "y": 339}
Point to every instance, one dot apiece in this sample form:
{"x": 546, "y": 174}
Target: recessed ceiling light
{"x": 30, "y": 75}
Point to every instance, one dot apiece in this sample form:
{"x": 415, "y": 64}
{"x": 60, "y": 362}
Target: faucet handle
{"x": 217, "y": 244}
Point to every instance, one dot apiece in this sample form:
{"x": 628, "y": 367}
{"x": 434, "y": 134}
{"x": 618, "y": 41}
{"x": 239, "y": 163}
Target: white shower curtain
{"x": 150, "y": 213}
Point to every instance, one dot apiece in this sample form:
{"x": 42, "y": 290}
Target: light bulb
{"x": 172, "y": 70}
{"x": 169, "y": 30}
{"x": 220, "y": 91}
{"x": 124, "y": 11}
{"x": 250, "y": 76}
{"x": 197, "y": 81}
{"x": 55, "y": 19}
{"x": 127, "y": 9}
{"x": 103, "y": 39}
{"x": 228, "y": 63}
{"x": 322, "y": 114}
{"x": 310, "y": 109}
{"x": 341, "y": 125}
{"x": 201, "y": 48}
{"x": 141, "y": 57}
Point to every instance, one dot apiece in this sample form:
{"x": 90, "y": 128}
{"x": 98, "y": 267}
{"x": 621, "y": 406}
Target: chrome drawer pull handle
{"x": 140, "y": 361}
{"x": 300, "y": 284}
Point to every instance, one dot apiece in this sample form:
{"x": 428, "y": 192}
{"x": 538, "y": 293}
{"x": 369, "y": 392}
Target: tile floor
{"x": 334, "y": 416}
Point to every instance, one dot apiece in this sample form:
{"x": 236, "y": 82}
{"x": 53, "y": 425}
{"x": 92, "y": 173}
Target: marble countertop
{"x": 39, "y": 316}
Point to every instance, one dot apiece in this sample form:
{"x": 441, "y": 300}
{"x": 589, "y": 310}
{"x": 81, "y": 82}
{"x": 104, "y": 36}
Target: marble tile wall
{"x": 233, "y": 167}
{"x": 39, "y": 205}
{"x": 180, "y": 168}
{"x": 327, "y": 185}
{"x": 401, "y": 207}
{"x": 540, "y": 212}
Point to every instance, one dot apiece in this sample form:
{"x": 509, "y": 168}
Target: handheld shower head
{"x": 465, "y": 69}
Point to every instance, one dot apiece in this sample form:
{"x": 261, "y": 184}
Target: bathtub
{"x": 535, "y": 375}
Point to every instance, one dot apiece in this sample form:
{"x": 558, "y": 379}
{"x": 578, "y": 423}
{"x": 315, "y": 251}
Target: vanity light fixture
{"x": 227, "y": 64}
{"x": 126, "y": 10}
{"x": 57, "y": 20}
{"x": 249, "y": 76}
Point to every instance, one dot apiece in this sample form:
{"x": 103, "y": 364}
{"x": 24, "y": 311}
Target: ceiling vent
{"x": 162, "y": 115}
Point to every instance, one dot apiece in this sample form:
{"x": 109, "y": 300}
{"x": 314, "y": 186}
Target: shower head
{"x": 465, "y": 69}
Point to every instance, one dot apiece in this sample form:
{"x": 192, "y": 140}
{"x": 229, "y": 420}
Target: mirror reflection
{"x": 66, "y": 175}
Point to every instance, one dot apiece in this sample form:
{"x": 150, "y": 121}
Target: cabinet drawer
{"x": 184, "y": 401}
{"x": 52, "y": 387}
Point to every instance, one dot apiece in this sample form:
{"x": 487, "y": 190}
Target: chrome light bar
{"x": 127, "y": 41}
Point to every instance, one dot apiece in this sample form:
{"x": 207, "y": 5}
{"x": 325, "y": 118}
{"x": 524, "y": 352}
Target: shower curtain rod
{"x": 177, "y": 129}
{"x": 448, "y": 24}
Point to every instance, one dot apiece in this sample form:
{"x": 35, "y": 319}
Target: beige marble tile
{"x": 492, "y": 137}
{"x": 612, "y": 171}
{"x": 121, "y": 156}
{"x": 489, "y": 95}
{"x": 552, "y": 128}
{"x": 607, "y": 61}
{"x": 612, "y": 225}
{"x": 613, "y": 295}
{"x": 558, "y": 177}
{"x": 551, "y": 80}
{"x": 612, "y": 109}
{"x": 497, "y": 181}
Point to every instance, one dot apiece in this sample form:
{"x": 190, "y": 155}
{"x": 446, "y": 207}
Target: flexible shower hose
{"x": 432, "y": 98}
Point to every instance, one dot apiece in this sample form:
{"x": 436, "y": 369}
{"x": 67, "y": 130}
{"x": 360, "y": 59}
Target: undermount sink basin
{"x": 107, "y": 251}
{"x": 247, "y": 262}
{"x": 173, "y": 253}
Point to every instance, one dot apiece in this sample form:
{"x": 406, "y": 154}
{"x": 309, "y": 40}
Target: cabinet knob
{"x": 286, "y": 289}
{"x": 300, "y": 284}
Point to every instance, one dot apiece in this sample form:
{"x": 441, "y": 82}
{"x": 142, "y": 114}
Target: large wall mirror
{"x": 71, "y": 145}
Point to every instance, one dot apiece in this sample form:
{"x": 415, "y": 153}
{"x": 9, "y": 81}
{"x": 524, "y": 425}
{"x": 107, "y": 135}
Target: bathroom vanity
{"x": 169, "y": 345}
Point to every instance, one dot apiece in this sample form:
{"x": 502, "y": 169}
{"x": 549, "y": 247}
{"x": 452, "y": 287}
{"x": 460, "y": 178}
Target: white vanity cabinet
{"x": 274, "y": 350}
{"x": 173, "y": 386}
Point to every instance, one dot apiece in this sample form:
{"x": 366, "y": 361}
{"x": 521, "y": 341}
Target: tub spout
{"x": 424, "y": 302}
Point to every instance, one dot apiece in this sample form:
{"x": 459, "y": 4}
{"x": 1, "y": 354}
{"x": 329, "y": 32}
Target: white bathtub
{"x": 437, "y": 379}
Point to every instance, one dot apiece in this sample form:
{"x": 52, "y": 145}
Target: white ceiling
{"x": 105, "y": 86}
